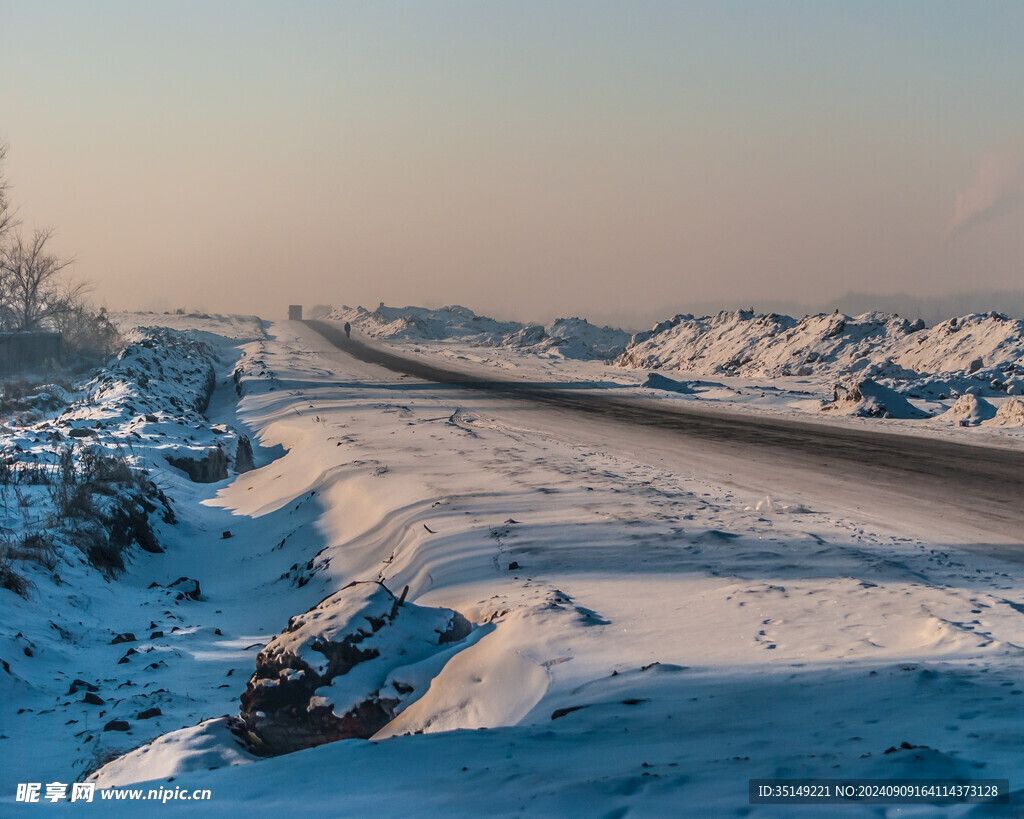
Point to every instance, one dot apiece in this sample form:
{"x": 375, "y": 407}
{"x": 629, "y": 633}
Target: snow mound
{"x": 577, "y": 338}
{"x": 869, "y": 399}
{"x": 969, "y": 410}
{"x": 336, "y": 671}
{"x": 1009, "y": 414}
{"x": 213, "y": 743}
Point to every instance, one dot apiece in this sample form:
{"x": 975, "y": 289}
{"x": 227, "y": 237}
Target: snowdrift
{"x": 969, "y": 410}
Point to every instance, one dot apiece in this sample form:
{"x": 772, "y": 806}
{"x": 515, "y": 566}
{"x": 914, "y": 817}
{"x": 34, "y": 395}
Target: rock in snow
{"x": 335, "y": 671}
{"x": 208, "y": 467}
{"x": 187, "y": 586}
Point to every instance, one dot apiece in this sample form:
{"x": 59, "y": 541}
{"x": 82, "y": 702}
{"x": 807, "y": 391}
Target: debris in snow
{"x": 767, "y": 506}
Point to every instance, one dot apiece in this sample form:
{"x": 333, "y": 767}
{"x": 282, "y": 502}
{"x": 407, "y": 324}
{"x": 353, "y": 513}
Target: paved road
{"x": 978, "y": 484}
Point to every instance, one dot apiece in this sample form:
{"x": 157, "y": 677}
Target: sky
{"x": 616, "y": 160}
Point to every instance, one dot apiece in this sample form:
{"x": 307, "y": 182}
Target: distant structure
{"x": 23, "y": 351}
{"x": 294, "y": 312}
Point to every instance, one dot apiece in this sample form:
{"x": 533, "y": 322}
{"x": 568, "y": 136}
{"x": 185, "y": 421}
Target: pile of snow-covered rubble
{"x": 979, "y": 353}
{"x": 875, "y": 362}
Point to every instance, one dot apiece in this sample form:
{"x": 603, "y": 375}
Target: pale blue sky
{"x": 526, "y": 159}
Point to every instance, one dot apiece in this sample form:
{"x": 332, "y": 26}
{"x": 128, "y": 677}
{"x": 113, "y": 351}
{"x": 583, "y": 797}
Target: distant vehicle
{"x": 294, "y": 312}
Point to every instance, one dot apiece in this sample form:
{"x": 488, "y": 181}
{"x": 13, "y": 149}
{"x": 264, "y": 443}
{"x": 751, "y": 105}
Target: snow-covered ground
{"x": 648, "y": 633}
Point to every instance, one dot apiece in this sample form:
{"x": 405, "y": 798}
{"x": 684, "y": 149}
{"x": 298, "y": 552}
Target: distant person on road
{"x": 348, "y": 330}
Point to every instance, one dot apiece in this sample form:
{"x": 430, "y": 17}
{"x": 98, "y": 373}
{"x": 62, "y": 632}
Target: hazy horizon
{"x": 529, "y": 160}
{"x": 932, "y": 309}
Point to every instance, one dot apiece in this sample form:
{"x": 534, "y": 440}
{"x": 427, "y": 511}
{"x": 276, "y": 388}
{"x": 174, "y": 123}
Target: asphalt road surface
{"x": 974, "y": 485}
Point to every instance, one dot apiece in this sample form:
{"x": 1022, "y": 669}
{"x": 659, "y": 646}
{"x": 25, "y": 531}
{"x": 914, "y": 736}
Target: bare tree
{"x": 32, "y": 289}
{"x": 34, "y": 295}
{"x": 83, "y": 329}
{"x": 6, "y": 214}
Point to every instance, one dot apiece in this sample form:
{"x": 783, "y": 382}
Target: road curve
{"x": 985, "y": 482}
